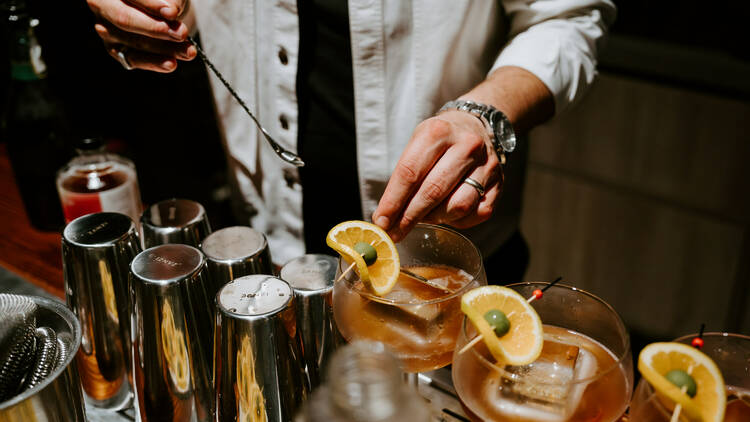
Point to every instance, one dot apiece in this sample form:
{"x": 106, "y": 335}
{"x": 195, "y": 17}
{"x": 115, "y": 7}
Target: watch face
{"x": 504, "y": 134}
{"x": 507, "y": 137}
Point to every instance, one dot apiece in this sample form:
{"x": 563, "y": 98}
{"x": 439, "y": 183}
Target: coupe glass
{"x": 419, "y": 323}
{"x": 585, "y": 371}
{"x": 731, "y": 353}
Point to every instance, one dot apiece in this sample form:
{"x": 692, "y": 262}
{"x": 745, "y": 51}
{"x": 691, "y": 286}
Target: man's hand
{"x": 427, "y": 183}
{"x": 152, "y": 31}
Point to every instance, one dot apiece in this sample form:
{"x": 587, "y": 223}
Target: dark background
{"x": 165, "y": 123}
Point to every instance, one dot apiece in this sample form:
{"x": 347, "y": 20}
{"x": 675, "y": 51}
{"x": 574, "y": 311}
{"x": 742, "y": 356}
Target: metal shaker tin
{"x": 174, "y": 221}
{"x": 234, "y": 252}
{"x": 311, "y": 277}
{"x": 172, "y": 334}
{"x": 97, "y": 250}
{"x": 258, "y": 371}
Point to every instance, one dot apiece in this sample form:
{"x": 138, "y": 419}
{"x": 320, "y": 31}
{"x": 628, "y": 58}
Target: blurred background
{"x": 640, "y": 194}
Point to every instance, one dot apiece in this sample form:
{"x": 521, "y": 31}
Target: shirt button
{"x": 291, "y": 177}
{"x": 284, "y": 122}
{"x": 283, "y": 58}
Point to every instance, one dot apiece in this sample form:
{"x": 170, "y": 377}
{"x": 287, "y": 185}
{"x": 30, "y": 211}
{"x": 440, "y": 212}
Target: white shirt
{"x": 409, "y": 58}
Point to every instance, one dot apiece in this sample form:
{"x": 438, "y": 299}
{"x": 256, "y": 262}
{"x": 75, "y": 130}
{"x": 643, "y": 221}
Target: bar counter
{"x": 32, "y": 254}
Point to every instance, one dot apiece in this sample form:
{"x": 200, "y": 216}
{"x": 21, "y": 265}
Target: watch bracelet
{"x": 493, "y": 119}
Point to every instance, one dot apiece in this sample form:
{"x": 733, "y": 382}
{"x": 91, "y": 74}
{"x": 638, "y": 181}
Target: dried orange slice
{"x": 707, "y": 405}
{"x": 380, "y": 276}
{"x": 522, "y": 344}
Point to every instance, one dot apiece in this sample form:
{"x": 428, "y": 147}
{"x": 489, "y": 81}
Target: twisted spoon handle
{"x": 284, "y": 154}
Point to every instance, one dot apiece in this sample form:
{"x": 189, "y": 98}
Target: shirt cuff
{"x": 560, "y": 52}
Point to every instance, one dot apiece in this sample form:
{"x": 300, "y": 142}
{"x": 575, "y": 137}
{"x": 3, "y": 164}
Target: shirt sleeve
{"x": 558, "y": 41}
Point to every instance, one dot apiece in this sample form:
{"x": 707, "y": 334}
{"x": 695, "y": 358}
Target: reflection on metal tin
{"x": 97, "y": 250}
{"x": 174, "y": 221}
{"x": 312, "y": 277}
{"x": 258, "y": 370}
{"x": 172, "y": 334}
{"x": 234, "y": 252}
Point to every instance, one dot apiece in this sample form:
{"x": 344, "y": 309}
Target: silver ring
{"x": 476, "y": 185}
{"x": 123, "y": 59}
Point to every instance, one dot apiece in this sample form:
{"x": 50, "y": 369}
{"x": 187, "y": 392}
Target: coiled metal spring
{"x": 27, "y": 354}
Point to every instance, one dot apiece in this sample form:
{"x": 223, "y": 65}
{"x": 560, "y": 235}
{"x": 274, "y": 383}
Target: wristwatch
{"x": 498, "y": 126}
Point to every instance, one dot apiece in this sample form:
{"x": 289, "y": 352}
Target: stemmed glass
{"x": 419, "y": 322}
{"x": 731, "y": 353}
{"x": 585, "y": 371}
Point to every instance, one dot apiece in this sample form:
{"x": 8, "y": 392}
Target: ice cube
{"x": 546, "y": 390}
{"x": 420, "y": 317}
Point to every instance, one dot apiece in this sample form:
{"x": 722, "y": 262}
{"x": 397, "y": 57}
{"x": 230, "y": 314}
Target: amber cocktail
{"x": 731, "y": 353}
{"x": 584, "y": 373}
{"x": 418, "y": 321}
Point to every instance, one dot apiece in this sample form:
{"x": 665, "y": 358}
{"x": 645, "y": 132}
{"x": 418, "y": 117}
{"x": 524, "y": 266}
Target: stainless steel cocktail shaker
{"x": 172, "y": 334}
{"x": 258, "y": 371}
{"x": 174, "y": 221}
{"x": 234, "y": 252}
{"x": 97, "y": 250}
{"x": 311, "y": 278}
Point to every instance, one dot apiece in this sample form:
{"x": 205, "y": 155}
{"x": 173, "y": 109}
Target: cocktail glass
{"x": 419, "y": 323}
{"x": 731, "y": 353}
{"x": 585, "y": 371}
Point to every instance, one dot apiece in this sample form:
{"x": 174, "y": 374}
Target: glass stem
{"x": 412, "y": 380}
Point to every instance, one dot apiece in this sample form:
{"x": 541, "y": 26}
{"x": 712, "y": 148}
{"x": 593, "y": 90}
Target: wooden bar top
{"x": 32, "y": 254}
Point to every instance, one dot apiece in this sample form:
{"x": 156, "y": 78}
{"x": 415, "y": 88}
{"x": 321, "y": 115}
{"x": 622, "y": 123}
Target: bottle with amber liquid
{"x": 97, "y": 181}
{"x": 34, "y": 127}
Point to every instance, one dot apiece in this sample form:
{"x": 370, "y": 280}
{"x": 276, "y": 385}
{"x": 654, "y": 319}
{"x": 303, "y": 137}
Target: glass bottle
{"x": 364, "y": 384}
{"x": 96, "y": 181}
{"x": 34, "y": 126}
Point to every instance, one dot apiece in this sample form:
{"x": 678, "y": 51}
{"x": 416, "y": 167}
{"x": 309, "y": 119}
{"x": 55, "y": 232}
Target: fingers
{"x": 465, "y": 199}
{"x": 427, "y": 182}
{"x": 168, "y": 9}
{"x": 144, "y": 60}
{"x": 427, "y": 146}
{"x": 168, "y": 49}
{"x": 483, "y": 211}
{"x": 130, "y": 18}
{"x": 442, "y": 179}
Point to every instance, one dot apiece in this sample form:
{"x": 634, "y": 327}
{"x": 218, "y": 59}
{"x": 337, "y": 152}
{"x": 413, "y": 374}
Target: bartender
{"x": 403, "y": 111}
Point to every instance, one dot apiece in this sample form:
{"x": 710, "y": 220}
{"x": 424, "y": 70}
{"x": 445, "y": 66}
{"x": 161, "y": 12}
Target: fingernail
{"x": 176, "y": 35}
{"x": 168, "y": 12}
{"x": 168, "y": 65}
{"x": 184, "y": 55}
{"x": 383, "y": 222}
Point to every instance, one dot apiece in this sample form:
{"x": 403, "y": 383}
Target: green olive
{"x": 682, "y": 379}
{"x": 369, "y": 253}
{"x": 498, "y": 321}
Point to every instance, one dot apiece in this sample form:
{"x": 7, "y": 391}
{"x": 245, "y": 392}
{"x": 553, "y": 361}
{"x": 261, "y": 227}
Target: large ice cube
{"x": 419, "y": 317}
{"x": 547, "y": 390}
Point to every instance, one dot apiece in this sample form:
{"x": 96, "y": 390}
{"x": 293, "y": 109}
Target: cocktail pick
{"x": 424, "y": 280}
{"x": 697, "y": 343}
{"x": 537, "y": 294}
{"x": 405, "y": 272}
